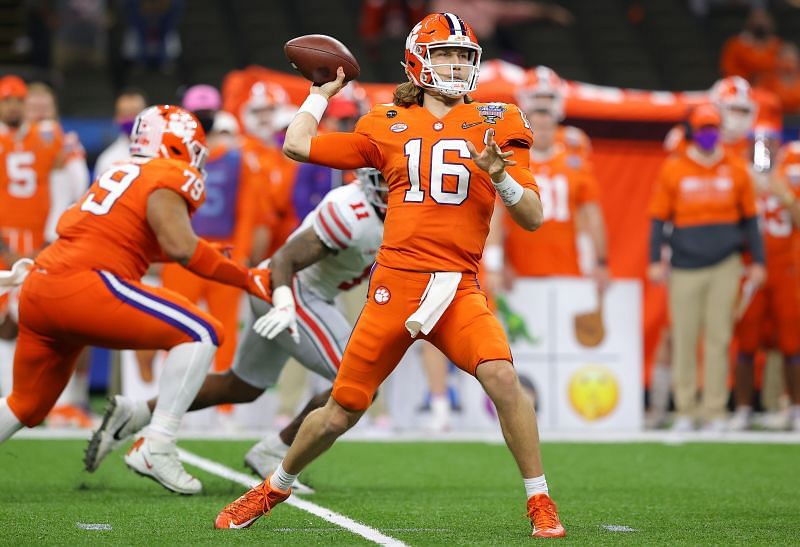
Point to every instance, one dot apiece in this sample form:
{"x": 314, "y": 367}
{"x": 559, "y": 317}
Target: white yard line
{"x": 588, "y": 437}
{"x": 349, "y": 524}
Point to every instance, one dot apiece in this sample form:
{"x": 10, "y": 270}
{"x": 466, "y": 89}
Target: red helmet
{"x": 169, "y": 131}
{"x": 441, "y": 30}
{"x": 543, "y": 89}
{"x": 737, "y": 106}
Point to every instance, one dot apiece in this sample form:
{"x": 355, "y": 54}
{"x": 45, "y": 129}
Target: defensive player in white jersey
{"x": 333, "y": 250}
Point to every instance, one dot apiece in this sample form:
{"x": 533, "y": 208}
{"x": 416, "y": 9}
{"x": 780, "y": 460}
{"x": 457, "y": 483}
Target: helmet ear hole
{"x": 175, "y": 150}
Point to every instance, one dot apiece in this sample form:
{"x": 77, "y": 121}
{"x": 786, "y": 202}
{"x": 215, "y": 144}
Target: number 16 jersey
{"x": 440, "y": 202}
{"x": 108, "y": 228}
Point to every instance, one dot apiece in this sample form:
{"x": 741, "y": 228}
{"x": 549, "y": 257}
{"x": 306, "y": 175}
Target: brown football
{"x": 317, "y": 56}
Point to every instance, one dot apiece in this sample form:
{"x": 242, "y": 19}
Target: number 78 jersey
{"x": 108, "y": 228}
{"x": 440, "y": 202}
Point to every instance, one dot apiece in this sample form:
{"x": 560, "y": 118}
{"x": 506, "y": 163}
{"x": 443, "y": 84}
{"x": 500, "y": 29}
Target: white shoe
{"x": 682, "y": 424}
{"x": 776, "y": 421}
{"x": 123, "y": 418}
{"x": 440, "y": 415}
{"x": 265, "y": 456}
{"x": 159, "y": 460}
{"x": 741, "y": 420}
{"x": 717, "y": 425}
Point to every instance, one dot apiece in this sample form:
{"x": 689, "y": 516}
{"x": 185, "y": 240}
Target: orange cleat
{"x": 544, "y": 518}
{"x": 70, "y": 416}
{"x": 257, "y": 501}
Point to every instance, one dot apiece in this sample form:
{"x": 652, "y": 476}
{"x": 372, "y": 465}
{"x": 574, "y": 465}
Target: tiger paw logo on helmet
{"x": 382, "y": 295}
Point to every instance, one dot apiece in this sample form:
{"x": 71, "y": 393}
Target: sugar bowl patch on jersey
{"x": 491, "y": 112}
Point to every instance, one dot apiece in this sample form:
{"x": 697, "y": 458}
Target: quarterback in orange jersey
{"x": 84, "y": 289}
{"x": 777, "y": 304}
{"x": 441, "y": 196}
{"x": 567, "y": 187}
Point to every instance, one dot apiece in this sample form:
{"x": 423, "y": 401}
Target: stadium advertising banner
{"x": 579, "y": 355}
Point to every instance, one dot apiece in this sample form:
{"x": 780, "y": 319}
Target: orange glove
{"x": 258, "y": 284}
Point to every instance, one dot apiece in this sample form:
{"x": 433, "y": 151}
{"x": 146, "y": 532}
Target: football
{"x": 317, "y": 56}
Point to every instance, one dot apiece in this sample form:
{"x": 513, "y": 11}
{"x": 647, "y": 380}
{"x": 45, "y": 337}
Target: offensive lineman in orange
{"x": 84, "y": 289}
{"x": 441, "y": 197}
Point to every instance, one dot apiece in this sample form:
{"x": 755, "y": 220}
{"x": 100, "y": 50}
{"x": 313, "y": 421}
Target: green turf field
{"x": 420, "y": 494}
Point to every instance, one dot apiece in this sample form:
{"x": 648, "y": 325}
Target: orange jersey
{"x": 741, "y": 56}
{"x": 566, "y": 183}
{"x": 574, "y": 140}
{"x": 440, "y": 202}
{"x": 690, "y": 194}
{"x": 781, "y": 235}
{"x": 108, "y": 230}
{"x": 27, "y": 156}
{"x": 273, "y": 175}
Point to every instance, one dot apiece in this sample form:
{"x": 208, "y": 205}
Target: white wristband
{"x": 493, "y": 258}
{"x": 282, "y": 297}
{"x": 509, "y": 190}
{"x": 315, "y": 104}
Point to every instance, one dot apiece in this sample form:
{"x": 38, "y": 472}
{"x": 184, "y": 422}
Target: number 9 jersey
{"x": 440, "y": 202}
{"x": 108, "y": 228}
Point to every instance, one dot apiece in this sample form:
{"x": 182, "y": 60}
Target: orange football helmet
{"x": 258, "y": 112}
{"x": 790, "y": 154}
{"x": 543, "y": 90}
{"x": 737, "y": 106}
{"x": 12, "y": 86}
{"x": 169, "y": 131}
{"x": 442, "y": 30}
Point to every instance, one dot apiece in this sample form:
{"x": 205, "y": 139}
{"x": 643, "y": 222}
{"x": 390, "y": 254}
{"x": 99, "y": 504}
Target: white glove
{"x": 16, "y": 275}
{"x": 282, "y": 316}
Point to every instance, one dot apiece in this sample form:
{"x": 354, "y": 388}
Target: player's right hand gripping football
{"x": 281, "y": 317}
{"x": 330, "y": 89}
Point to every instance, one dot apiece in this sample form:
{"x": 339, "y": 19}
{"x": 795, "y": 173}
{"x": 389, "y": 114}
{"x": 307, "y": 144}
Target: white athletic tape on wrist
{"x": 282, "y": 297}
{"x": 509, "y": 190}
{"x": 315, "y": 104}
{"x": 493, "y": 258}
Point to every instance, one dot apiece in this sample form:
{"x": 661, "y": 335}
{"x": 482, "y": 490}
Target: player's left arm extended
{"x": 298, "y": 253}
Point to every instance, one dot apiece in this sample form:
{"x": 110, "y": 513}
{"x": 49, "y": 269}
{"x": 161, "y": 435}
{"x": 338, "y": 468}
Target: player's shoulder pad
{"x": 335, "y": 222}
{"x": 509, "y": 122}
{"x": 380, "y": 116}
{"x": 48, "y": 131}
{"x": 675, "y": 138}
{"x": 576, "y": 139}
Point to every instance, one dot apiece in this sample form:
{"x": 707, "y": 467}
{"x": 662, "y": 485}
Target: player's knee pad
{"x": 352, "y": 397}
{"x": 30, "y": 411}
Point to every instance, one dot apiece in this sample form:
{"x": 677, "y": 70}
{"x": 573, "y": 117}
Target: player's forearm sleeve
{"x": 656, "y": 239}
{"x": 209, "y": 263}
{"x": 754, "y": 240}
{"x": 343, "y": 151}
